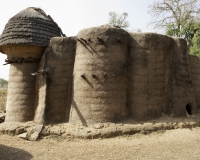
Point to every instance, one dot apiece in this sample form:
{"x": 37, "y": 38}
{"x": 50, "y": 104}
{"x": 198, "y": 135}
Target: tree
{"x": 179, "y": 18}
{"x": 118, "y": 20}
{"x": 170, "y": 14}
{"x": 195, "y": 41}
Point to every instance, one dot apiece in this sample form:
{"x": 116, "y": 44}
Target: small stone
{"x": 88, "y": 130}
{"x": 34, "y": 136}
{"x": 23, "y": 136}
{"x": 38, "y": 128}
{"x": 98, "y": 126}
{"x": 2, "y": 117}
{"x": 19, "y": 131}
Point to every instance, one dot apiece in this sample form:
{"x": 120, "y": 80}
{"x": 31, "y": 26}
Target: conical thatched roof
{"x": 30, "y": 26}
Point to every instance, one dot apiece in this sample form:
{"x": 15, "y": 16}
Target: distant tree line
{"x": 3, "y": 82}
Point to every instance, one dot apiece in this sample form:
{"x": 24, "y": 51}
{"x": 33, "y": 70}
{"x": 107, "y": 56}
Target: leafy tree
{"x": 118, "y": 20}
{"x": 179, "y": 18}
{"x": 195, "y": 42}
{"x": 171, "y": 13}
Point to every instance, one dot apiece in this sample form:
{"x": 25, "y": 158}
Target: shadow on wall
{"x": 13, "y": 153}
{"x": 81, "y": 117}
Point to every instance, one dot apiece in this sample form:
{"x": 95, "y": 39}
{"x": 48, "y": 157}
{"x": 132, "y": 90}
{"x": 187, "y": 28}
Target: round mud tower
{"x": 100, "y": 76}
{"x": 21, "y": 92}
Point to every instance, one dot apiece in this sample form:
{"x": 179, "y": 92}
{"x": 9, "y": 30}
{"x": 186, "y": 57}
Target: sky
{"x": 75, "y": 15}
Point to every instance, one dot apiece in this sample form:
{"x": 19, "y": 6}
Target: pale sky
{"x": 74, "y": 15}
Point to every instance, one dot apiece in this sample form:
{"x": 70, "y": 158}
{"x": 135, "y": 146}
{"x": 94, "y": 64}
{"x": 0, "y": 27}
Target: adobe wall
{"x": 149, "y": 74}
{"x": 116, "y": 76}
{"x": 194, "y": 63}
{"x": 181, "y": 88}
{"x": 54, "y": 87}
{"x": 106, "y": 75}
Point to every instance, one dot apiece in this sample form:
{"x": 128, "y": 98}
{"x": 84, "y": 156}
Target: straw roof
{"x": 30, "y": 26}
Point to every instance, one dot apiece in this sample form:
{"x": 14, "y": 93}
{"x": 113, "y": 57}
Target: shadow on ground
{"x": 10, "y": 153}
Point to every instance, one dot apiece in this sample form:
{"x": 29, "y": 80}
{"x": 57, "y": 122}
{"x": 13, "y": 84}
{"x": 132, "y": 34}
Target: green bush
{"x": 3, "y": 97}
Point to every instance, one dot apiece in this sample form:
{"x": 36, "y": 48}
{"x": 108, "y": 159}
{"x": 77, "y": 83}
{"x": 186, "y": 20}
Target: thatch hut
{"x": 24, "y": 40}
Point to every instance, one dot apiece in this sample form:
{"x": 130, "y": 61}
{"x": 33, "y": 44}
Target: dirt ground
{"x": 183, "y": 144}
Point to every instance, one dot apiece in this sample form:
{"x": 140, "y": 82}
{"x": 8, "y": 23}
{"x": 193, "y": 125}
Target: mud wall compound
{"x": 104, "y": 75}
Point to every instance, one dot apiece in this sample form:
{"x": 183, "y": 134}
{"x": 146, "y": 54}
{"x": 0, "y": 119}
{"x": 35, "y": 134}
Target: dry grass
{"x": 3, "y": 97}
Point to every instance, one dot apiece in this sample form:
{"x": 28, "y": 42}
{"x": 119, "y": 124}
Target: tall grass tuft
{"x": 3, "y": 97}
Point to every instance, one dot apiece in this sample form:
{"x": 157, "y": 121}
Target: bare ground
{"x": 183, "y": 144}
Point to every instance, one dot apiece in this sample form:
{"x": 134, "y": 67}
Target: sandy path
{"x": 183, "y": 144}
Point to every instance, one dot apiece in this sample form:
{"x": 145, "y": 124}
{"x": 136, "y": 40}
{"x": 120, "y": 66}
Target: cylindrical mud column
{"x": 149, "y": 74}
{"x": 21, "y": 92}
{"x": 58, "y": 62}
{"x": 182, "y": 97}
{"x": 21, "y": 96}
{"x": 194, "y": 63}
{"x": 100, "y": 77}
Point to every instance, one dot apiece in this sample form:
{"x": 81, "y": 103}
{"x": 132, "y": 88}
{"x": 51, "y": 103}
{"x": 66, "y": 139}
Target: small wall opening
{"x": 188, "y": 109}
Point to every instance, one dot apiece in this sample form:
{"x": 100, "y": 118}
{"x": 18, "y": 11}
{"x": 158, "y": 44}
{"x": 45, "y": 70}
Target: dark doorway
{"x": 188, "y": 109}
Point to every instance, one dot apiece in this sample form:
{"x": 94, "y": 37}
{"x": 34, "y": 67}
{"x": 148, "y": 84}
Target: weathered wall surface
{"x": 41, "y": 98}
{"x": 21, "y": 92}
{"x": 149, "y": 74}
{"x": 194, "y": 63}
{"x": 100, "y": 77}
{"x": 58, "y": 63}
{"x": 181, "y": 90}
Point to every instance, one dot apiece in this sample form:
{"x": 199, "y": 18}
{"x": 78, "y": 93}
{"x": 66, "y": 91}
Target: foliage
{"x": 118, "y": 20}
{"x": 3, "y": 82}
{"x": 195, "y": 43}
{"x": 170, "y": 13}
{"x": 191, "y": 33}
{"x": 3, "y": 97}
{"x": 179, "y": 18}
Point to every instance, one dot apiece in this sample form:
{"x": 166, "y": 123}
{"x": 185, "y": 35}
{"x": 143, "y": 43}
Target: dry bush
{"x": 3, "y": 97}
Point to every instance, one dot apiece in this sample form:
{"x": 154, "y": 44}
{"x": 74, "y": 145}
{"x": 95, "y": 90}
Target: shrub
{"x": 3, "y": 97}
